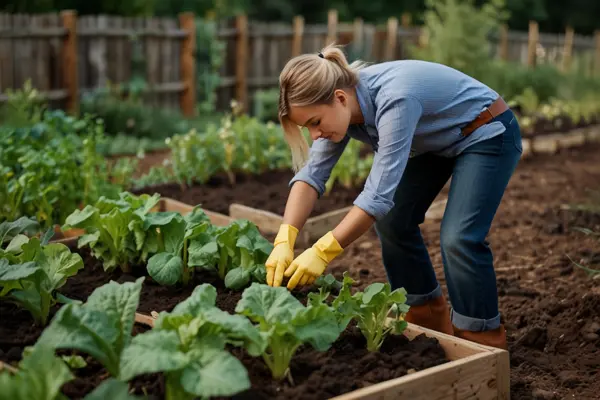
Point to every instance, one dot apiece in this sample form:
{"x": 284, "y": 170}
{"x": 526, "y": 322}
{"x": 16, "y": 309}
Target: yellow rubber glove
{"x": 311, "y": 264}
{"x": 282, "y": 254}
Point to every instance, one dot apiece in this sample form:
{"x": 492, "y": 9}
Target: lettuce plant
{"x": 188, "y": 346}
{"x": 101, "y": 327}
{"x": 287, "y": 324}
{"x": 238, "y": 252}
{"x": 114, "y": 229}
{"x": 171, "y": 235}
{"x": 31, "y": 270}
{"x": 371, "y": 310}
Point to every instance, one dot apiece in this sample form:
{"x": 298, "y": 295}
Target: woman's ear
{"x": 341, "y": 96}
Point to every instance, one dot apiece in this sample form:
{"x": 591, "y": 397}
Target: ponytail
{"x": 311, "y": 79}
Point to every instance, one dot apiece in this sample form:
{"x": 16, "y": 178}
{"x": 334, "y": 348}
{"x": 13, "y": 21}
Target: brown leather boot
{"x": 434, "y": 315}
{"x": 494, "y": 338}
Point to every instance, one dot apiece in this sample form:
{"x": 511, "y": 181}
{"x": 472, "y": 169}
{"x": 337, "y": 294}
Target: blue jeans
{"x": 480, "y": 175}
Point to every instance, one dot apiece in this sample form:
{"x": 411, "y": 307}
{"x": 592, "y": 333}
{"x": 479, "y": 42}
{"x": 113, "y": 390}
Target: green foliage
{"x": 52, "y": 166}
{"x": 457, "y": 33}
{"x": 32, "y": 270}
{"x": 101, "y": 327}
{"x": 210, "y": 56}
{"x": 266, "y": 103}
{"x": 287, "y": 324}
{"x": 188, "y": 346}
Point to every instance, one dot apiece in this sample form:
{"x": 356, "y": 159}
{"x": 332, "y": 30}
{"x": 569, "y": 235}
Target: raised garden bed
{"x": 404, "y": 363}
{"x": 419, "y": 363}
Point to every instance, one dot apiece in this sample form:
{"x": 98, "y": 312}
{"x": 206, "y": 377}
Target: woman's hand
{"x": 282, "y": 254}
{"x": 311, "y": 264}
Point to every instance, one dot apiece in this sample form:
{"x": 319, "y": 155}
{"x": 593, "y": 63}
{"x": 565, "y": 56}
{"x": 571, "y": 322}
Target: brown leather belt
{"x": 494, "y": 109}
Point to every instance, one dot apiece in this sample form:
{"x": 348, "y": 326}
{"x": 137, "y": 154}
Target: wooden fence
{"x": 67, "y": 56}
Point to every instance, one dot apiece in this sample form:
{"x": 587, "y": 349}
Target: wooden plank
{"x": 187, "y": 63}
{"x": 572, "y": 139}
{"x": 266, "y": 221}
{"x": 532, "y": 43}
{"x": 471, "y": 378}
{"x": 6, "y": 66}
{"x": 315, "y": 227}
{"x": 168, "y": 204}
{"x": 545, "y": 144}
{"x": 332, "y": 22}
{"x": 241, "y": 62}
{"x": 593, "y": 134}
{"x": 144, "y": 319}
{"x": 503, "y": 42}
{"x": 392, "y": 38}
{"x": 526, "y": 148}
{"x": 297, "y": 35}
{"x": 358, "y": 36}
{"x": 69, "y": 19}
{"x": 47, "y": 95}
{"x": 567, "y": 49}
{"x": 152, "y": 51}
{"x": 474, "y": 371}
{"x": 97, "y": 53}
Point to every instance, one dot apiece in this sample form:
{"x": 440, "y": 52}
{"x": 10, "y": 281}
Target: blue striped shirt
{"x": 410, "y": 107}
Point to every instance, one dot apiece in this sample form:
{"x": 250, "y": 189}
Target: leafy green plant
{"x": 101, "y": 327}
{"x": 32, "y": 270}
{"x": 238, "y": 252}
{"x": 115, "y": 229}
{"x": 371, "y": 309}
{"x": 287, "y": 324}
{"x": 188, "y": 346}
{"x": 174, "y": 234}
{"x": 456, "y": 33}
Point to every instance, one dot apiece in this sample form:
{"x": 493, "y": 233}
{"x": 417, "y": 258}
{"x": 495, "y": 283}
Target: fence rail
{"x": 66, "y": 56}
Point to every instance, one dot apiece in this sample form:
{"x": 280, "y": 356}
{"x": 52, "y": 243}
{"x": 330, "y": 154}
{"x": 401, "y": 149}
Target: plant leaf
{"x": 165, "y": 268}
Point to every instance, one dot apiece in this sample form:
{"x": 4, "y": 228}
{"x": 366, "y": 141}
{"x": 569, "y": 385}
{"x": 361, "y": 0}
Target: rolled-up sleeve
{"x": 396, "y": 121}
{"x": 323, "y": 156}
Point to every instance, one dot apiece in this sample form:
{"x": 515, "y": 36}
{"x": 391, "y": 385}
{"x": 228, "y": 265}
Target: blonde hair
{"x": 310, "y": 79}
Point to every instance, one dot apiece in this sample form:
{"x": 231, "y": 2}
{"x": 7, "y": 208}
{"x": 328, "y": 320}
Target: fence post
{"x": 298, "y": 34}
{"x": 568, "y": 48}
{"x": 241, "y": 62}
{"x": 358, "y": 36}
{"x": 332, "y": 21}
{"x": 406, "y": 20}
{"x": 187, "y": 97}
{"x": 69, "y": 60}
{"x": 532, "y": 43}
{"x": 504, "y": 42}
{"x": 392, "y": 38}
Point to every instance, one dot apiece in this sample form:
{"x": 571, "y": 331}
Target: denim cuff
{"x": 420, "y": 299}
{"x": 474, "y": 324}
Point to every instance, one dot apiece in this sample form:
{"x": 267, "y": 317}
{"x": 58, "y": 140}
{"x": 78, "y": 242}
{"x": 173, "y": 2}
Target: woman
{"x": 426, "y": 123}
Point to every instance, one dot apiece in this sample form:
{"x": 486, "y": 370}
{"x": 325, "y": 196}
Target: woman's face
{"x": 327, "y": 121}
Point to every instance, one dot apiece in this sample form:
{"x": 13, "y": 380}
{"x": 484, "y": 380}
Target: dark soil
{"x": 316, "y": 374}
{"x": 268, "y": 191}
